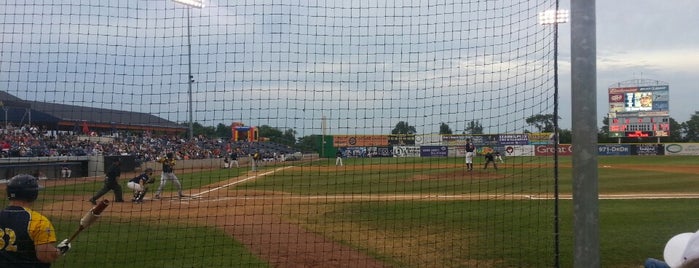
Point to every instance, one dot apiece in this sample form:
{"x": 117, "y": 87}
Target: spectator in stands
{"x": 681, "y": 250}
{"x": 29, "y": 141}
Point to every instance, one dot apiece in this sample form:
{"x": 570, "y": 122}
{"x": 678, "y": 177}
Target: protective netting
{"x": 391, "y": 89}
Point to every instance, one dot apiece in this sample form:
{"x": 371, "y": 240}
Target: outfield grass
{"x": 419, "y": 233}
{"x": 149, "y": 244}
{"x": 630, "y": 230}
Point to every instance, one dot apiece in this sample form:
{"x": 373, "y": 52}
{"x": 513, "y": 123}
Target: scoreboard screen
{"x": 639, "y": 111}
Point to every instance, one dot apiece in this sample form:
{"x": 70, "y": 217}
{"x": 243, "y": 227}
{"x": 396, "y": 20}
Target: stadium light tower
{"x": 190, "y": 79}
{"x": 554, "y": 17}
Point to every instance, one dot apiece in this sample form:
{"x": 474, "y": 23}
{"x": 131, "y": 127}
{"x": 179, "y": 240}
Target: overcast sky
{"x": 642, "y": 39}
{"x": 364, "y": 65}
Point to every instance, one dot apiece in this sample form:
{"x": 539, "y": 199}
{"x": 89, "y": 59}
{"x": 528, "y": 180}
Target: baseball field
{"x": 380, "y": 212}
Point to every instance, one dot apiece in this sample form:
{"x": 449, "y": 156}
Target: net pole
{"x": 584, "y": 130}
{"x": 557, "y": 249}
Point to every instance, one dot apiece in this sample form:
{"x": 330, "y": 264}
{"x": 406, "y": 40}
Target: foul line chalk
{"x": 241, "y": 181}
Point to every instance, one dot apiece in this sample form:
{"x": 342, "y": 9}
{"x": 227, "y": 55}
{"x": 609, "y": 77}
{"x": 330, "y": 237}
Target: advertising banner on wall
{"x": 513, "y": 139}
{"x": 682, "y": 149}
{"x": 542, "y": 138}
{"x": 428, "y": 139}
{"x": 430, "y": 151}
{"x": 519, "y": 150}
{"x": 354, "y": 152}
{"x": 647, "y": 149}
{"x": 613, "y": 149}
{"x": 401, "y": 139}
{"x": 484, "y": 140}
{"x": 457, "y": 151}
{"x": 406, "y": 151}
{"x": 379, "y": 151}
{"x": 359, "y": 140}
{"x": 547, "y": 150}
{"x": 454, "y": 139}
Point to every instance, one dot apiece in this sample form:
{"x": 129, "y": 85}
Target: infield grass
{"x": 489, "y": 232}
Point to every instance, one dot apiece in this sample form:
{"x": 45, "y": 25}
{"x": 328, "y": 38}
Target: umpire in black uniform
{"x": 111, "y": 183}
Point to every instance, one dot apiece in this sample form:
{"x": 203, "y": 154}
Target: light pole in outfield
{"x": 554, "y": 17}
{"x": 190, "y": 79}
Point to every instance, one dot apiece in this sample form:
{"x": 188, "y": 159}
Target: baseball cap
{"x": 681, "y": 248}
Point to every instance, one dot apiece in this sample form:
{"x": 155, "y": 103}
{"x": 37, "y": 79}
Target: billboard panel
{"x": 359, "y": 140}
{"x": 547, "y": 150}
{"x": 613, "y": 149}
{"x": 406, "y": 151}
{"x": 519, "y": 150}
{"x": 639, "y": 110}
{"x": 429, "y": 151}
{"x": 682, "y": 149}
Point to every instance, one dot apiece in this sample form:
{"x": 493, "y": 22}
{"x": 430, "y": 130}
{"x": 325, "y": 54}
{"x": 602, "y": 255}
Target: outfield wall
{"x": 519, "y": 150}
{"x": 452, "y": 145}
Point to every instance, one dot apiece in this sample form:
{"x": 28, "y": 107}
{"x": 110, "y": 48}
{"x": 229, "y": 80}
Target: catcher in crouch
{"x": 139, "y": 185}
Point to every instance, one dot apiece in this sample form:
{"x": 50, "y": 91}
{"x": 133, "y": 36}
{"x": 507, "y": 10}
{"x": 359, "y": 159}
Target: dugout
{"x": 51, "y": 167}
{"x": 127, "y": 162}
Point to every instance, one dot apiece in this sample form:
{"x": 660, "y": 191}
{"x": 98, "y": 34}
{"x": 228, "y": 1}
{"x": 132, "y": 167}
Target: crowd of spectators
{"x": 35, "y": 141}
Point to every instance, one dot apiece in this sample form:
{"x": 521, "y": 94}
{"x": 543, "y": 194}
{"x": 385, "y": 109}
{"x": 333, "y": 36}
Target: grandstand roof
{"x": 67, "y": 117}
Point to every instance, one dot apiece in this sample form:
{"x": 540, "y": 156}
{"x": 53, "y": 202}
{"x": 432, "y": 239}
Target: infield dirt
{"x": 255, "y": 217}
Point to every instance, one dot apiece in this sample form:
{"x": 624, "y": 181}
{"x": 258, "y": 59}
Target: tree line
{"x": 679, "y": 132}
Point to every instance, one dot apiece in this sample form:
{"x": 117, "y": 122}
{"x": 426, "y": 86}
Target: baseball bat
{"x": 89, "y": 218}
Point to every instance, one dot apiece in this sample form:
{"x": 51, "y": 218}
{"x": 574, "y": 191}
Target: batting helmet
{"x": 23, "y": 187}
{"x": 148, "y": 170}
{"x": 170, "y": 155}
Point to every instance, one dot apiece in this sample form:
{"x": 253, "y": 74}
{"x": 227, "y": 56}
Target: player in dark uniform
{"x": 338, "y": 158}
{"x": 470, "y": 151}
{"x": 26, "y": 236}
{"x": 234, "y": 158}
{"x": 139, "y": 185}
{"x": 226, "y": 162}
{"x": 111, "y": 183}
{"x": 498, "y": 157}
{"x": 490, "y": 158}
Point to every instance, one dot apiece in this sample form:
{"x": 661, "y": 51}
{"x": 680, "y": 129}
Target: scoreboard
{"x": 639, "y": 111}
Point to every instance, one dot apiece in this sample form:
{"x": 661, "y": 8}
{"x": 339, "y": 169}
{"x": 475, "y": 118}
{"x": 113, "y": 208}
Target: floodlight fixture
{"x": 190, "y": 79}
{"x": 554, "y": 16}
{"x": 191, "y": 3}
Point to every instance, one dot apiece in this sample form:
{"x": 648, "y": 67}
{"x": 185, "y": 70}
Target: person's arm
{"x": 47, "y": 253}
{"x": 43, "y": 234}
